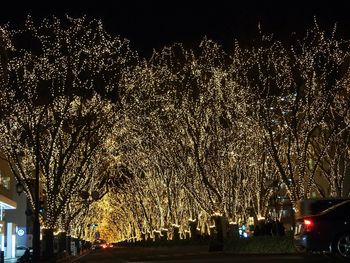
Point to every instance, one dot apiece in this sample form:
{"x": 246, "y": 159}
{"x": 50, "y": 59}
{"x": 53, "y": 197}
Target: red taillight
{"x": 308, "y": 225}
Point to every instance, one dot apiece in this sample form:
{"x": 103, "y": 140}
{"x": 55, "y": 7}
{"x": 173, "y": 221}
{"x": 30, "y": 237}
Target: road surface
{"x": 123, "y": 255}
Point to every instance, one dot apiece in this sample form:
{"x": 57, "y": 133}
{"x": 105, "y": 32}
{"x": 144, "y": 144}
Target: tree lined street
{"x": 188, "y": 144}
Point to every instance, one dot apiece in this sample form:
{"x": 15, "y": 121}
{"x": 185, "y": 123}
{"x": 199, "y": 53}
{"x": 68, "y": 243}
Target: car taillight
{"x": 308, "y": 225}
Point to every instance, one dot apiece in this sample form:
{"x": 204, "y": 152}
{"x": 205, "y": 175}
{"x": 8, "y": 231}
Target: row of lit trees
{"x": 59, "y": 82}
{"x": 177, "y": 137}
{"x": 192, "y": 148}
{"x": 215, "y": 133}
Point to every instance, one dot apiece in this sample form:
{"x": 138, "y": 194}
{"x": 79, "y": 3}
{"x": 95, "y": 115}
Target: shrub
{"x": 261, "y": 244}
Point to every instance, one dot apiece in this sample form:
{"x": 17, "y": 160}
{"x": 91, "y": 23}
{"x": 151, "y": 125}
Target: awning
{"x": 7, "y": 203}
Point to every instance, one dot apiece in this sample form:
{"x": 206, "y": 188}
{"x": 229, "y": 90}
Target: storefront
{"x": 7, "y": 203}
{"x": 7, "y": 229}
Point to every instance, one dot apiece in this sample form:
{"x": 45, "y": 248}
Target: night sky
{"x": 153, "y": 24}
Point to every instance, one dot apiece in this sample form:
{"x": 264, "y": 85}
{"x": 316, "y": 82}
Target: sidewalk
{"x": 10, "y": 260}
{"x": 67, "y": 259}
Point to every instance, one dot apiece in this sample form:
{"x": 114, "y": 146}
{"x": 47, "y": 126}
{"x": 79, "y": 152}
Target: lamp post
{"x": 36, "y": 224}
{"x": 19, "y": 188}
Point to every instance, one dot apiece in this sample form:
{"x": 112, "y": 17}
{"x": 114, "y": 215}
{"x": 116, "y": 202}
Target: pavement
{"x": 10, "y": 260}
{"x": 62, "y": 260}
{"x": 73, "y": 258}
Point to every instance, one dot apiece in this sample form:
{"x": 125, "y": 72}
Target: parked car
{"x": 20, "y": 250}
{"x": 24, "y": 254}
{"x": 325, "y": 232}
{"x": 316, "y": 205}
{"x": 99, "y": 243}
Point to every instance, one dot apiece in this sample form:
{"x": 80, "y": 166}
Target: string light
{"x": 208, "y": 131}
{"x": 184, "y": 134}
{"x": 62, "y": 74}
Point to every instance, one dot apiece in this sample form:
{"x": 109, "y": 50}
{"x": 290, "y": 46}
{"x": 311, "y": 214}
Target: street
{"x": 122, "y": 255}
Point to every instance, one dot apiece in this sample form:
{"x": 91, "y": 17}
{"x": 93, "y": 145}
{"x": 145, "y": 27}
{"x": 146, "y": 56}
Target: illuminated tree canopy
{"x": 211, "y": 132}
{"x": 60, "y": 105}
{"x": 174, "y": 139}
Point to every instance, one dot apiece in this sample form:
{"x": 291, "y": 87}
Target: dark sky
{"x": 152, "y": 24}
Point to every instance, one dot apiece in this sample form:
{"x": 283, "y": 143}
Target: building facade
{"x": 13, "y": 226}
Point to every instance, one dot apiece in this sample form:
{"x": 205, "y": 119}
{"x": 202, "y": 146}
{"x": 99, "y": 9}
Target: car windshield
{"x": 335, "y": 207}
